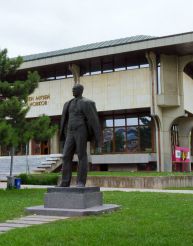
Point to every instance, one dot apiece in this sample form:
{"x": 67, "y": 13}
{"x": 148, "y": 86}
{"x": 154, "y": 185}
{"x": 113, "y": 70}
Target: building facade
{"x": 143, "y": 89}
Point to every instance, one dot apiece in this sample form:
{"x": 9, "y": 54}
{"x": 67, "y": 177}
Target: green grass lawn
{"x": 145, "y": 219}
{"x": 13, "y": 202}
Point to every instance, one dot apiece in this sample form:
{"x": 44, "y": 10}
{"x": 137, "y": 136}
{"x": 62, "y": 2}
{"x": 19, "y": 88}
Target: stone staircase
{"x": 51, "y": 164}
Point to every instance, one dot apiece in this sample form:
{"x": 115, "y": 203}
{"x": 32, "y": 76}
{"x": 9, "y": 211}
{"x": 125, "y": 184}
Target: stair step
{"x": 39, "y": 170}
{"x": 56, "y": 155}
{"x": 47, "y": 162}
{"x": 52, "y": 159}
{"x": 52, "y": 162}
{"x": 44, "y": 167}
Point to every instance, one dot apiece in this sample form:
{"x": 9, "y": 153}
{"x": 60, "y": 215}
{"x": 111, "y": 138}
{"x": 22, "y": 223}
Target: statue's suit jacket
{"x": 88, "y": 108}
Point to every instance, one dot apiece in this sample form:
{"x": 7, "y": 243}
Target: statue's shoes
{"x": 80, "y": 185}
{"x": 62, "y": 184}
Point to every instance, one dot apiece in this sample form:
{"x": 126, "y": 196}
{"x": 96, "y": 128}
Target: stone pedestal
{"x": 73, "y": 198}
{"x": 73, "y": 201}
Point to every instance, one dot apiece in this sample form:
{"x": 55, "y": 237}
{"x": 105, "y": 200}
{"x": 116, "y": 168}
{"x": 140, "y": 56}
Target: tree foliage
{"x": 15, "y": 129}
{"x": 8, "y": 66}
{"x": 45, "y": 123}
{"x": 6, "y": 132}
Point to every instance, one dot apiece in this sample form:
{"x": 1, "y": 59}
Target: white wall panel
{"x": 110, "y": 91}
{"x": 188, "y": 93}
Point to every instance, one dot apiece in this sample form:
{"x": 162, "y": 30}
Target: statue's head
{"x": 77, "y": 90}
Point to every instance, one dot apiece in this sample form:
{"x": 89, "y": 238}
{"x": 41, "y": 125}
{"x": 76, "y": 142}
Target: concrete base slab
{"x": 41, "y": 210}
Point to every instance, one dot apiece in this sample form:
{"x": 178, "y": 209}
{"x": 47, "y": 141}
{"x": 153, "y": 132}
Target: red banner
{"x": 181, "y": 154}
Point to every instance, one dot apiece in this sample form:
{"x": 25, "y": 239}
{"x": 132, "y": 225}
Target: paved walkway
{"x": 3, "y": 186}
{"x": 147, "y": 190}
{"x": 28, "y": 221}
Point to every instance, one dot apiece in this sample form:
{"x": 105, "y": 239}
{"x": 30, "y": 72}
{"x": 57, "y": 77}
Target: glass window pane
{"x": 132, "y": 121}
{"x": 108, "y": 123}
{"x": 119, "y": 122}
{"x": 145, "y": 120}
{"x": 120, "y": 137}
{"x": 145, "y": 138}
{"x": 158, "y": 81}
{"x": 132, "y": 67}
{"x": 108, "y": 140}
{"x": 132, "y": 139}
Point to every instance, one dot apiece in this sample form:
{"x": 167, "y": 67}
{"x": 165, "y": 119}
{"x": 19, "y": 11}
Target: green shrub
{"x": 39, "y": 179}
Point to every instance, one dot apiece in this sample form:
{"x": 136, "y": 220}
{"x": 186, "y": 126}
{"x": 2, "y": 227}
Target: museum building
{"x": 143, "y": 90}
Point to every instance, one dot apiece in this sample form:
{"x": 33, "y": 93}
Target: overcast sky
{"x": 29, "y": 27}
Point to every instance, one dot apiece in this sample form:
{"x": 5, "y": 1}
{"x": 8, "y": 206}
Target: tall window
{"x": 126, "y": 133}
{"x": 20, "y": 150}
{"x": 40, "y": 148}
{"x": 158, "y": 79}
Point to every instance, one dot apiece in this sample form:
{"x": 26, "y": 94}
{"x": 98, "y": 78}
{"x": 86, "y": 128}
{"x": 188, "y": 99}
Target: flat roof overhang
{"x": 180, "y": 44}
{"x": 119, "y": 56}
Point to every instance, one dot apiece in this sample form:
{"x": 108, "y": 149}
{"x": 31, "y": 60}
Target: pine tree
{"x": 15, "y": 129}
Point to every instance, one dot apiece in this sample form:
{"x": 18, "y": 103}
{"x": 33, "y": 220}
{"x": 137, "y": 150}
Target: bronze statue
{"x": 79, "y": 124}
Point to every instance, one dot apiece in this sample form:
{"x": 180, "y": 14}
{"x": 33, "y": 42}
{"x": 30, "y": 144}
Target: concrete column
{"x": 151, "y": 58}
{"x": 156, "y": 112}
{"x": 167, "y": 151}
{"x": 54, "y": 144}
{"x": 75, "y": 72}
{"x": 166, "y": 148}
{"x": 158, "y": 143}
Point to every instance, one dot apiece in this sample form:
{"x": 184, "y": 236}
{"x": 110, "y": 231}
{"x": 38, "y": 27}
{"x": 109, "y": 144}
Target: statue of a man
{"x": 79, "y": 124}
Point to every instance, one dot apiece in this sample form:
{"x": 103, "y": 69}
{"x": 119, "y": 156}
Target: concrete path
{"x": 147, "y": 190}
{"x": 28, "y": 221}
{"x": 3, "y": 186}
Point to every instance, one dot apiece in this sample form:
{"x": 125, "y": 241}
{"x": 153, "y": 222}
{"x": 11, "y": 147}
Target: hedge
{"x": 39, "y": 179}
